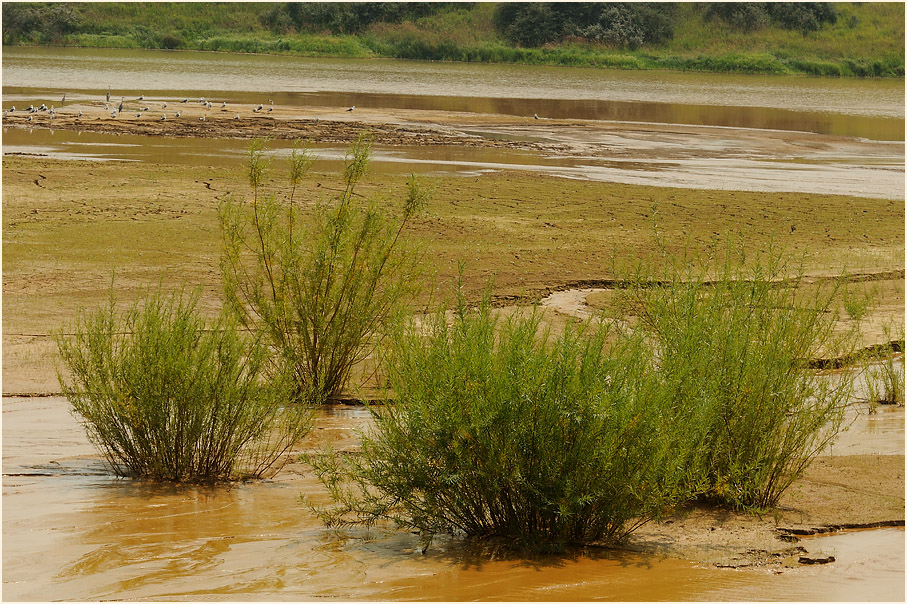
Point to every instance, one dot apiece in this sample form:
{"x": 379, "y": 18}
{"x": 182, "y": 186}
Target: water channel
{"x": 854, "y": 129}
{"x": 73, "y": 532}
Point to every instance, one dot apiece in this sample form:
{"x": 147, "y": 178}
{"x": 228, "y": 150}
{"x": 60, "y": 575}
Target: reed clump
{"x": 885, "y": 379}
{"x": 167, "y": 395}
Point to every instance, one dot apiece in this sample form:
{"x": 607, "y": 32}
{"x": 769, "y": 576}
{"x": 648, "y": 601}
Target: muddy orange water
{"x": 71, "y": 531}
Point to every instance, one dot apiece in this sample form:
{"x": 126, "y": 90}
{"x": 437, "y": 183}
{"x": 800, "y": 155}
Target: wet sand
{"x": 630, "y": 152}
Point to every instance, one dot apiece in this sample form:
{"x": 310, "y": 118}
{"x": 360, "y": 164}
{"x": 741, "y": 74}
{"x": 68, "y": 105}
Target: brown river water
{"x": 71, "y": 531}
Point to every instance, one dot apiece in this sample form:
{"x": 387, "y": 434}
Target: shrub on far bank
{"x": 499, "y": 429}
{"x": 166, "y": 395}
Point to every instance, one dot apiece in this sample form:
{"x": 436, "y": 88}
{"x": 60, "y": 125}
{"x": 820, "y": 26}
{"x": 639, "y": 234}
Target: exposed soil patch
{"x": 300, "y": 124}
{"x": 834, "y": 494}
{"x": 629, "y": 145}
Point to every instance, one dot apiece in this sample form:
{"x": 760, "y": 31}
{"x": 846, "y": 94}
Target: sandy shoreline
{"x": 421, "y": 127}
{"x": 666, "y": 155}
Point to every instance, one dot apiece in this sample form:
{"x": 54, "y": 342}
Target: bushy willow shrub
{"x": 885, "y": 379}
{"x": 323, "y": 289}
{"x": 499, "y": 429}
{"x": 165, "y": 395}
{"x": 699, "y": 387}
{"x": 732, "y": 341}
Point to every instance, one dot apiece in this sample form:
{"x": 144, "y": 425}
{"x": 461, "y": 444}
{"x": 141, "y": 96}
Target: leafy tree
{"x": 623, "y": 24}
{"x": 37, "y": 22}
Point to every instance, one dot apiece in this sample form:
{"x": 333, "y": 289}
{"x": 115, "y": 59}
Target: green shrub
{"x": 885, "y": 380}
{"x": 344, "y": 17}
{"x": 749, "y": 16}
{"x": 46, "y": 23}
{"x": 322, "y": 291}
{"x": 501, "y": 430}
{"x": 170, "y": 41}
{"x": 165, "y": 395}
{"x": 732, "y": 351}
{"x": 745, "y": 16}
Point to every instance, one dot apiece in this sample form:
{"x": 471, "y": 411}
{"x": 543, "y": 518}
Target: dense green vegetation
{"x": 500, "y": 429}
{"x": 884, "y": 379}
{"x": 165, "y": 394}
{"x": 733, "y": 337}
{"x": 843, "y": 39}
{"x": 322, "y": 289}
{"x": 697, "y": 387}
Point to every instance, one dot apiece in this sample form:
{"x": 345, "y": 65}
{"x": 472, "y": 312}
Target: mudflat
{"x": 71, "y": 228}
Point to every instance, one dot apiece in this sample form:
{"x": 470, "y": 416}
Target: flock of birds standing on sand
{"x": 118, "y": 109}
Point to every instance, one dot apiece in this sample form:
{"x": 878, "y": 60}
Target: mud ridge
{"x": 321, "y": 131}
{"x": 536, "y": 295}
{"x": 788, "y": 532}
{"x": 874, "y": 351}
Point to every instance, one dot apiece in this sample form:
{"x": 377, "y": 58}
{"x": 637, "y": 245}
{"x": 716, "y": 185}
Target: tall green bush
{"x": 732, "y": 340}
{"x": 323, "y": 290}
{"x": 46, "y": 23}
{"x": 749, "y": 16}
{"x": 885, "y": 378}
{"x": 502, "y": 430}
{"x": 163, "y": 394}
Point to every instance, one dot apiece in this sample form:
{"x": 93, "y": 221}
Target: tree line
{"x": 527, "y": 24}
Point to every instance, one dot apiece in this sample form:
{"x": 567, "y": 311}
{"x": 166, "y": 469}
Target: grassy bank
{"x": 867, "y": 39}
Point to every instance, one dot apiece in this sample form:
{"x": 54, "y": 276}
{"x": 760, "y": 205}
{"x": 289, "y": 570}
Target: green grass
{"x": 866, "y": 40}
